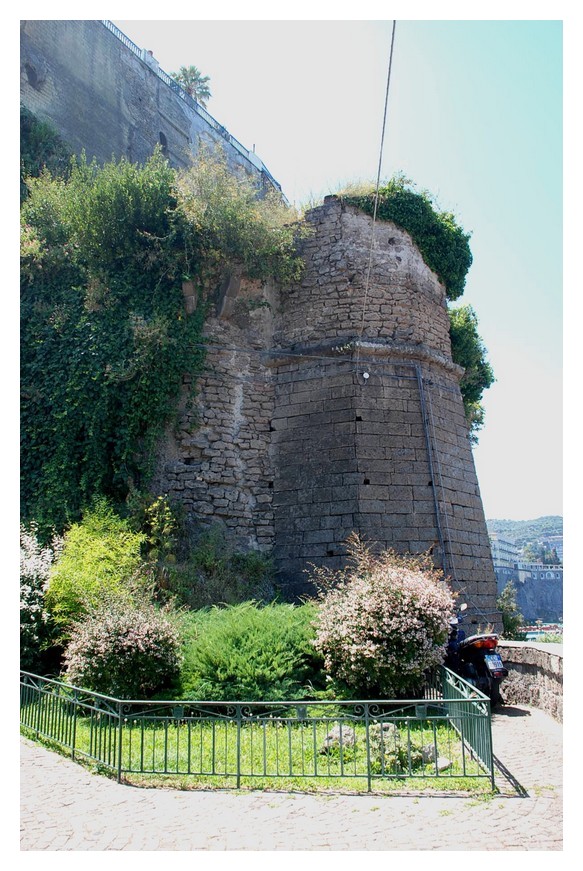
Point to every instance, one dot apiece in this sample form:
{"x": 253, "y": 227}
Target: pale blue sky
{"x": 475, "y": 117}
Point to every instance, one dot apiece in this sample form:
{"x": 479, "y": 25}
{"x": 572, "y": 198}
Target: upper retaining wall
{"x": 535, "y": 675}
{"x": 107, "y": 97}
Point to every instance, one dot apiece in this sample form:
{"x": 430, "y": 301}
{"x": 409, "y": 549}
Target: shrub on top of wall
{"x": 443, "y": 244}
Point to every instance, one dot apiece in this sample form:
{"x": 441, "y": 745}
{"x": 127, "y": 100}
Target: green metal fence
{"x": 447, "y": 734}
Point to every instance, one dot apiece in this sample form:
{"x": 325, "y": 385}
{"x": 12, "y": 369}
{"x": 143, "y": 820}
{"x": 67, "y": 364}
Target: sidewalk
{"x": 64, "y": 807}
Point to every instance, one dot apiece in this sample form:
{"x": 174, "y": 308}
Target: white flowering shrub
{"x": 382, "y": 622}
{"x": 124, "y": 652}
{"x": 35, "y": 564}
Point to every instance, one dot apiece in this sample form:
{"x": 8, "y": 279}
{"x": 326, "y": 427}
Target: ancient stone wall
{"x": 217, "y": 463}
{"x": 105, "y": 99}
{"x": 535, "y": 675}
{"x": 329, "y": 406}
{"x": 334, "y": 406}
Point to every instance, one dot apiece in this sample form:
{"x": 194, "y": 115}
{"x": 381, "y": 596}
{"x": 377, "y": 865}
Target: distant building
{"x": 554, "y": 542}
{"x": 538, "y": 572}
{"x": 504, "y": 550}
{"x": 539, "y": 587}
{"x": 505, "y": 559}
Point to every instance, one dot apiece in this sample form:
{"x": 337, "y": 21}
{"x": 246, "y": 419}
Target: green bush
{"x": 213, "y": 573}
{"x": 467, "y": 350}
{"x": 443, "y": 244}
{"x": 106, "y": 342}
{"x": 101, "y": 559}
{"x": 252, "y": 653}
{"x": 129, "y": 653}
{"x": 41, "y": 148}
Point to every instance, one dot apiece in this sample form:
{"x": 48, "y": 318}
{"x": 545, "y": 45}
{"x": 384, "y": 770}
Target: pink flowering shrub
{"x": 124, "y": 652}
{"x": 382, "y": 622}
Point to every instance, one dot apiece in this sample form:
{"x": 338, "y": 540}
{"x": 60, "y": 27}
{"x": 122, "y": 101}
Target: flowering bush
{"x": 382, "y": 622}
{"x": 35, "y": 565}
{"x": 124, "y": 652}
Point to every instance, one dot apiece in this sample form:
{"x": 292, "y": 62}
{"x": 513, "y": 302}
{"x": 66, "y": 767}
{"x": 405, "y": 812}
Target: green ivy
{"x": 106, "y": 342}
{"x": 443, "y": 244}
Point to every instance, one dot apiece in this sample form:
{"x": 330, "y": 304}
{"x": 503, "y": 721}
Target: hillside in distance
{"x": 524, "y": 531}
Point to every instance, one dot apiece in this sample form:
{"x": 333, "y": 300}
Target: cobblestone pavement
{"x": 65, "y": 807}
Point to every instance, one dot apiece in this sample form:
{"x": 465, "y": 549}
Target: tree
{"x": 194, "y": 83}
{"x": 512, "y": 619}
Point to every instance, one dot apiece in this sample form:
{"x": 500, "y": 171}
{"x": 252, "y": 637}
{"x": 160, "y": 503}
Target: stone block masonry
{"x": 330, "y": 407}
{"x": 287, "y": 444}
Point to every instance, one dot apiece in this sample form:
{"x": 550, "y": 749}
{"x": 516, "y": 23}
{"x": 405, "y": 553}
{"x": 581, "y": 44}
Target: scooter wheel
{"x": 496, "y": 699}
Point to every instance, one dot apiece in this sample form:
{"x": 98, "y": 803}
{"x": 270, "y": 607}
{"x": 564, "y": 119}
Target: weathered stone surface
{"x": 126, "y": 110}
{"x": 535, "y": 675}
{"x": 339, "y": 736}
{"x": 292, "y": 448}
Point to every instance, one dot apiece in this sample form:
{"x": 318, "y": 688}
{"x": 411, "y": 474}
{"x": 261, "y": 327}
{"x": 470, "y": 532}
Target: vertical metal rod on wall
{"x": 430, "y": 461}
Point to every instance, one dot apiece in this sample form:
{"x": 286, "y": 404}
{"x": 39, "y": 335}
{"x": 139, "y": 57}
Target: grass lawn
{"x": 270, "y": 752}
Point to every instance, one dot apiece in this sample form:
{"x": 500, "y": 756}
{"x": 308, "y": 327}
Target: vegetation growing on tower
{"x": 443, "y": 244}
{"x": 105, "y": 338}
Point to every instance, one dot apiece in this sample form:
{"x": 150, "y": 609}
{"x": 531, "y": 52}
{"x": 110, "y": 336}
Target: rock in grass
{"x": 339, "y": 736}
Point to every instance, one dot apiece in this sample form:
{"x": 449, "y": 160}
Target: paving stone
{"x": 65, "y": 807}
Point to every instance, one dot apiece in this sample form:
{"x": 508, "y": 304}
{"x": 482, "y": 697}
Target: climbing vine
{"x": 106, "y": 342}
{"x": 467, "y": 350}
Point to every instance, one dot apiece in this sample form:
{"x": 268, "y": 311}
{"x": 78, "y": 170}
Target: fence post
{"x": 119, "y": 739}
{"x": 366, "y": 725}
{"x": 238, "y": 712}
{"x": 491, "y": 748}
{"x": 74, "y": 731}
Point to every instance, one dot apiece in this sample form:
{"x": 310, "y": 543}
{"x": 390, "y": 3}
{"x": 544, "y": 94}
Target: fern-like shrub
{"x": 251, "y": 653}
{"x": 382, "y": 622}
{"x": 124, "y": 652}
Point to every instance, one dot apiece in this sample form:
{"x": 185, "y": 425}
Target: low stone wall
{"x": 535, "y": 675}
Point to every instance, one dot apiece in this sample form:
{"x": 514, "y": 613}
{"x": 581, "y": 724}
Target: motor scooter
{"x": 476, "y": 659}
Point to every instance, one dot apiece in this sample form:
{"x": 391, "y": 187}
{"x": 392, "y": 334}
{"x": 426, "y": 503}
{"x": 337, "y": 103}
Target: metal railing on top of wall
{"x": 195, "y": 106}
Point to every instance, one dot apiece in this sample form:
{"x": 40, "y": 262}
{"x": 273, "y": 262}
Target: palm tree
{"x": 194, "y": 83}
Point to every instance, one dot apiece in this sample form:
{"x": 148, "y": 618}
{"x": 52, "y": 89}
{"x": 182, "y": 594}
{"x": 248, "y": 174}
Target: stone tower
{"x": 333, "y": 406}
